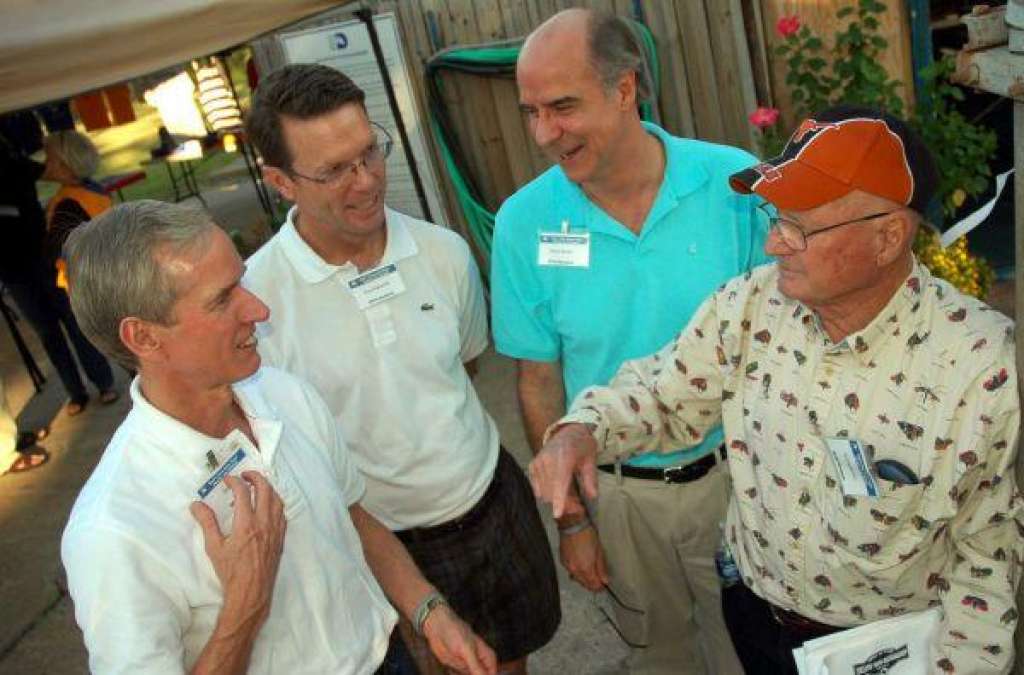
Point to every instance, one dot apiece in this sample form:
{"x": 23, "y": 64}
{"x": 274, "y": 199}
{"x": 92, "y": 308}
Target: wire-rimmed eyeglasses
{"x": 794, "y": 235}
{"x": 343, "y": 175}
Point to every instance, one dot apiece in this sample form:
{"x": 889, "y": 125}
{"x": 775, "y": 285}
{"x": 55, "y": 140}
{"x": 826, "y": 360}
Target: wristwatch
{"x": 427, "y": 605}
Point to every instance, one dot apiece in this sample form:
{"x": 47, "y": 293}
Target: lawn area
{"x": 125, "y": 147}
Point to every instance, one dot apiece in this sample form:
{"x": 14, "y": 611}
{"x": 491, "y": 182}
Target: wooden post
{"x": 1018, "y": 220}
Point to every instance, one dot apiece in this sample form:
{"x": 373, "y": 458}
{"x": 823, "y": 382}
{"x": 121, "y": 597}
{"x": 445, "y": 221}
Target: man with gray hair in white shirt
{"x": 251, "y": 452}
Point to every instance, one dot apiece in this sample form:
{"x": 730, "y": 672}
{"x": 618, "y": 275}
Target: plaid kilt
{"x": 494, "y": 565}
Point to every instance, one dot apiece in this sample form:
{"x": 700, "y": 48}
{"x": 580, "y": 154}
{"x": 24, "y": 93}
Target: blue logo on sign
{"x": 340, "y": 41}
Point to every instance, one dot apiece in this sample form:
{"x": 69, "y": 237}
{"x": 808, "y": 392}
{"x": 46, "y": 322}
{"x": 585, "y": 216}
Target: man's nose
{"x": 545, "y": 129}
{"x": 775, "y": 245}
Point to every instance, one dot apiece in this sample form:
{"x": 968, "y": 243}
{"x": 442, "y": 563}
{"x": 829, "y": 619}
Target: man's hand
{"x": 246, "y": 560}
{"x": 571, "y": 452}
{"x": 455, "y": 644}
{"x": 582, "y": 556}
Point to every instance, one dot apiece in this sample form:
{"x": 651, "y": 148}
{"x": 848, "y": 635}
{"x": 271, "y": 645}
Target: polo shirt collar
{"x": 895, "y": 321}
{"x": 313, "y": 269}
{"x": 191, "y": 445}
{"x": 682, "y": 177}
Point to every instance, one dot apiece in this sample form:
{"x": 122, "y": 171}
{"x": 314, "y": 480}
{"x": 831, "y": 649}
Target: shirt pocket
{"x": 883, "y": 530}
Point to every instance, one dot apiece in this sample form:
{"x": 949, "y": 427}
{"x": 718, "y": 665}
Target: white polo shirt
{"x": 391, "y": 374}
{"x": 145, "y": 593}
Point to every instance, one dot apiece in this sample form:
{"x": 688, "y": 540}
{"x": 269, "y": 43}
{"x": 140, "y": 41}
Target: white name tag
{"x": 233, "y": 456}
{"x": 374, "y": 287}
{"x": 562, "y": 249}
{"x": 854, "y": 467}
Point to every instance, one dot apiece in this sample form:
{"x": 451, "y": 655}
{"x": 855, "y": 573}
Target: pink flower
{"x": 762, "y": 118}
{"x": 787, "y": 25}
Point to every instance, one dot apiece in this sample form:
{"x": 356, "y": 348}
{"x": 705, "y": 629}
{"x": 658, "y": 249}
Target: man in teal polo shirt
{"x": 601, "y": 259}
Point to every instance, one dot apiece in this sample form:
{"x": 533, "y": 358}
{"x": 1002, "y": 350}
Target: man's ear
{"x": 142, "y": 338}
{"x": 627, "y": 90}
{"x": 281, "y": 182}
{"x": 896, "y": 232}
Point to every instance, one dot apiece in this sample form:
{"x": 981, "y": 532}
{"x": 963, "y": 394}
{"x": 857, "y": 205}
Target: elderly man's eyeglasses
{"x": 793, "y": 235}
{"x": 344, "y": 175}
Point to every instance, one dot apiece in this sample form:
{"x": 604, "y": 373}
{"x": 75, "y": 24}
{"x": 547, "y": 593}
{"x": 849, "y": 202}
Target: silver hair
{"x": 115, "y": 268}
{"x": 615, "y": 51}
{"x": 76, "y": 151}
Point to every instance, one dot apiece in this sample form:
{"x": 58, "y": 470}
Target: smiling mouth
{"x": 249, "y": 342}
{"x": 570, "y": 154}
{"x": 367, "y": 205}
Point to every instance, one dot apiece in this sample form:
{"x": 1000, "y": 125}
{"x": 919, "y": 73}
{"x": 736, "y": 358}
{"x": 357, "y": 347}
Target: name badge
{"x": 563, "y": 249}
{"x": 854, "y": 467}
{"x": 374, "y": 287}
{"x": 233, "y": 456}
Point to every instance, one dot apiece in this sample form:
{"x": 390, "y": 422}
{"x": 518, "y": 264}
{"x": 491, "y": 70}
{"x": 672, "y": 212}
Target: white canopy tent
{"x": 52, "y": 49}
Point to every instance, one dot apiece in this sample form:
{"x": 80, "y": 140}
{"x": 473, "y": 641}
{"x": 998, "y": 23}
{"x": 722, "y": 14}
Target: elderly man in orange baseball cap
{"x": 870, "y": 410}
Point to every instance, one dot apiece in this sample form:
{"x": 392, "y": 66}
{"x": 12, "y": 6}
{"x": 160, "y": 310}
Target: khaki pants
{"x": 659, "y": 542}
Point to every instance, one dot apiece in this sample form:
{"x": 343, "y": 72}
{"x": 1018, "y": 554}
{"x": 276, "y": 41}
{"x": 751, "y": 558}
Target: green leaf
{"x": 844, "y": 12}
{"x": 813, "y": 43}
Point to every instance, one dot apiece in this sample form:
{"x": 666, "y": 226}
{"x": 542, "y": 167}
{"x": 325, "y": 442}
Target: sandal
{"x": 76, "y": 407}
{"x": 29, "y": 460}
{"x": 108, "y": 396}
{"x": 26, "y": 439}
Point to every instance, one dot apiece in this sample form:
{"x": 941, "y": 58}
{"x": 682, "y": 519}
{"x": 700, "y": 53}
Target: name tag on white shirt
{"x": 374, "y": 287}
{"x": 854, "y": 467}
{"x": 233, "y": 456}
{"x": 564, "y": 249}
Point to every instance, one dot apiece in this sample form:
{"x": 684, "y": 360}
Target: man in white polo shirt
{"x": 223, "y": 590}
{"x": 381, "y": 312}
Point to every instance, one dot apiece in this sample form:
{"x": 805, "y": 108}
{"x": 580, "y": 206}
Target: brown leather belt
{"x": 798, "y": 623}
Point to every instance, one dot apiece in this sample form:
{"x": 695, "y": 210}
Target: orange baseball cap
{"x": 842, "y": 149}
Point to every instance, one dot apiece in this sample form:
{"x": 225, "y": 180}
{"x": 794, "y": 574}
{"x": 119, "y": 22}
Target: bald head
{"x": 604, "y": 41}
{"x": 569, "y": 23}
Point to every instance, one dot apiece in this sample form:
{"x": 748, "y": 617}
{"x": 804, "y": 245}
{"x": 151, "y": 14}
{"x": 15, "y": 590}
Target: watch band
{"x": 429, "y": 602}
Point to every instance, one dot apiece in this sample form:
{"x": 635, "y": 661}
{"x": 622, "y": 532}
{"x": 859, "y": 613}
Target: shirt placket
{"x": 820, "y": 392}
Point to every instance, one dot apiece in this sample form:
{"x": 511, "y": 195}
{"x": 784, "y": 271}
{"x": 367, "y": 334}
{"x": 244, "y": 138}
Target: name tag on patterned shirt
{"x": 854, "y": 467}
{"x": 564, "y": 249}
{"x": 374, "y": 287}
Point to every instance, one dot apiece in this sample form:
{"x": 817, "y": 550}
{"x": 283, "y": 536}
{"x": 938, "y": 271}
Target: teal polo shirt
{"x": 639, "y": 291}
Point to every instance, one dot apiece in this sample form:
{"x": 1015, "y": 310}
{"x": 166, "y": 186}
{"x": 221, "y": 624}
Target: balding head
{"x": 605, "y": 41}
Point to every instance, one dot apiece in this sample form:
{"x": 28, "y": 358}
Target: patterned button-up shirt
{"x": 930, "y": 382}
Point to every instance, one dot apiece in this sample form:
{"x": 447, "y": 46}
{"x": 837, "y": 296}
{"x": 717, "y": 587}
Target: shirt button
{"x": 692, "y": 249}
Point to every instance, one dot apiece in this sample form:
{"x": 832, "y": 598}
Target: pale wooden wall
{"x": 820, "y": 16}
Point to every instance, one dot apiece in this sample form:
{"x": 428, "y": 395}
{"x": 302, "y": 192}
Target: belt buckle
{"x": 674, "y": 474}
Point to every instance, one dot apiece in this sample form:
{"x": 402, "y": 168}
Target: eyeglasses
{"x": 343, "y": 176}
{"x": 793, "y": 235}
